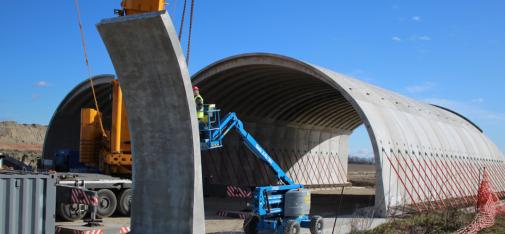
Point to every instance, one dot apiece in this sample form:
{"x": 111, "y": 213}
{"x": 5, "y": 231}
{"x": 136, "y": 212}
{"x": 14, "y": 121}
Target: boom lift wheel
{"x": 107, "y": 203}
{"x": 250, "y": 224}
{"x": 316, "y": 225}
{"x": 292, "y": 227}
{"x": 124, "y": 205}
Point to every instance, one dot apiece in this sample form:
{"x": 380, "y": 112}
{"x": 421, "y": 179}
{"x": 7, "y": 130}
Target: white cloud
{"x": 468, "y": 109}
{"x": 416, "y": 18}
{"x": 397, "y": 39}
{"x": 420, "y": 88}
{"x": 42, "y": 84}
{"x": 424, "y": 38}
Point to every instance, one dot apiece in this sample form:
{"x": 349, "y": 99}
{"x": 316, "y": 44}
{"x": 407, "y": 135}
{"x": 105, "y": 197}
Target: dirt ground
{"x": 361, "y": 175}
{"x": 22, "y": 141}
{"x": 327, "y": 203}
{"x": 21, "y": 134}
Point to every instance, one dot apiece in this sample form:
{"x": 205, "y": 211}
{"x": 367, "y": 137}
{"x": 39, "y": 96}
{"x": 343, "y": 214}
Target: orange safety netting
{"x": 488, "y": 206}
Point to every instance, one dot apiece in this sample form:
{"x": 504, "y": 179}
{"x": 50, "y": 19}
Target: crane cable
{"x": 182, "y": 19}
{"x": 188, "y": 49}
{"x": 83, "y": 41}
{"x": 181, "y": 28}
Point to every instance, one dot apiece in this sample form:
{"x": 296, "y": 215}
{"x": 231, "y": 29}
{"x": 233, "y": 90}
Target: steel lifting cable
{"x": 182, "y": 19}
{"x": 188, "y": 49}
{"x": 181, "y": 27}
{"x": 83, "y": 41}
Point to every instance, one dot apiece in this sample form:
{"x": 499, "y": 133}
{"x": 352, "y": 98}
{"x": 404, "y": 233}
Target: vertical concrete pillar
{"x": 167, "y": 192}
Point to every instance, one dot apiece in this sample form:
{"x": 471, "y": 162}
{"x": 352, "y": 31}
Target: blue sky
{"x": 450, "y": 53}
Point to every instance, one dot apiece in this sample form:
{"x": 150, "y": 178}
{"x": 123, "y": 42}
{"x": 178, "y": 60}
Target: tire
{"x": 250, "y": 224}
{"x": 124, "y": 205}
{"x": 70, "y": 212}
{"x": 316, "y": 225}
{"x": 292, "y": 227}
{"x": 107, "y": 203}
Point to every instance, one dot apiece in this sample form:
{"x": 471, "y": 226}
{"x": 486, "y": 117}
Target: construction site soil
{"x": 22, "y": 141}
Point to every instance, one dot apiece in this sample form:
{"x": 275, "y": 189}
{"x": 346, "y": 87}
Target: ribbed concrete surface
{"x": 167, "y": 183}
{"x": 304, "y": 114}
{"x": 313, "y": 157}
{"x": 425, "y": 154}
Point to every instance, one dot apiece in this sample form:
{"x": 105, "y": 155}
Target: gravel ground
{"x": 326, "y": 203}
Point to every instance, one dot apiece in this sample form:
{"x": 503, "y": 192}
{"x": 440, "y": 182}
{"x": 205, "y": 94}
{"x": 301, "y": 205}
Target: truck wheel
{"x": 251, "y": 224}
{"x": 316, "y": 225}
{"x": 125, "y": 198}
{"x": 70, "y": 212}
{"x": 107, "y": 203}
{"x": 292, "y": 227}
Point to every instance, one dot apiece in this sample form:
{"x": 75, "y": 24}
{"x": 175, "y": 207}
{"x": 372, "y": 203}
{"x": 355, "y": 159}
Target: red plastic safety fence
{"x": 488, "y": 207}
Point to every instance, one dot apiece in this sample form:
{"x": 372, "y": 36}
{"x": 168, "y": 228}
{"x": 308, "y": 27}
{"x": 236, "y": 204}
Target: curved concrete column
{"x": 167, "y": 192}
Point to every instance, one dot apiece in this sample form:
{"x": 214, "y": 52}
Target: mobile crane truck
{"x": 105, "y": 159}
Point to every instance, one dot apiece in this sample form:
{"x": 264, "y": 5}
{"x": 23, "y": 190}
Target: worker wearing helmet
{"x": 199, "y": 103}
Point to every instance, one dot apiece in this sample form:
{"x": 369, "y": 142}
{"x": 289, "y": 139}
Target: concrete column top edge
{"x": 118, "y": 19}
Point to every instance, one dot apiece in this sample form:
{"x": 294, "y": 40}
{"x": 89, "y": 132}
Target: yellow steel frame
{"x": 120, "y": 147}
{"x": 111, "y": 155}
{"x": 131, "y": 7}
{"x": 118, "y": 159}
{"x": 89, "y": 135}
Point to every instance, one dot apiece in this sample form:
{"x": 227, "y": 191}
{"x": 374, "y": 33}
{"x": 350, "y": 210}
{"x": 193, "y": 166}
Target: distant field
{"x": 361, "y": 175}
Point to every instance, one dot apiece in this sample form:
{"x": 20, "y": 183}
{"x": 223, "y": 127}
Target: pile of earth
{"x": 22, "y": 141}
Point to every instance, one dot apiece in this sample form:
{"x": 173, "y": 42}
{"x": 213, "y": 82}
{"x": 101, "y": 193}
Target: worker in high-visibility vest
{"x": 199, "y": 103}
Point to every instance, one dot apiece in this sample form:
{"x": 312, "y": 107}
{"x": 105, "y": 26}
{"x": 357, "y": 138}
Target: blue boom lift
{"x": 283, "y": 208}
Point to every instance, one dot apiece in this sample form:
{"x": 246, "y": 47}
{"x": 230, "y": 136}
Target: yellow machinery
{"x": 110, "y": 149}
{"x": 110, "y": 152}
{"x": 131, "y": 7}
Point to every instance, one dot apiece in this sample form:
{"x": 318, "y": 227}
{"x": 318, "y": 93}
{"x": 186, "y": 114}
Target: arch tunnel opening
{"x": 303, "y": 121}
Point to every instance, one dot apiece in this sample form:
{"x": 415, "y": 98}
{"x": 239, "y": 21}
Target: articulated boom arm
{"x": 231, "y": 121}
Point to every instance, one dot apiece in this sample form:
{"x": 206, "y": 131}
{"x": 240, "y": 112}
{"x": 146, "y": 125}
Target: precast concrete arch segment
{"x": 167, "y": 182}
{"x": 427, "y": 157}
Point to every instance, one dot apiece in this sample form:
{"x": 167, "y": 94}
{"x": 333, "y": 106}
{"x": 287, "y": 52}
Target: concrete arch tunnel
{"x": 303, "y": 114}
